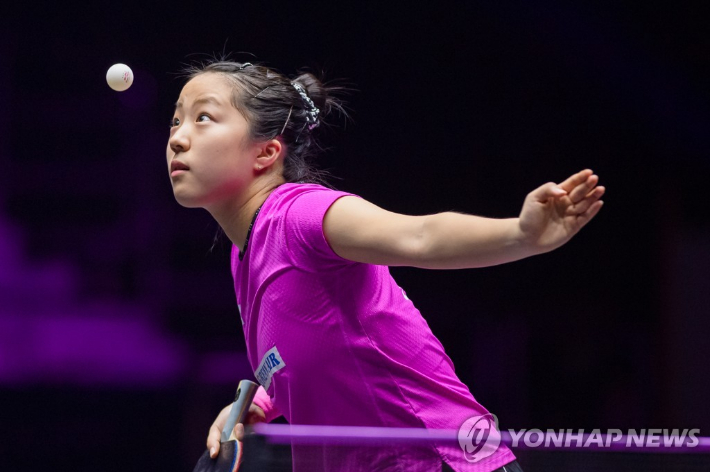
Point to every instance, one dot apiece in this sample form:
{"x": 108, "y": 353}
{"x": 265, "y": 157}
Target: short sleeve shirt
{"x": 337, "y": 342}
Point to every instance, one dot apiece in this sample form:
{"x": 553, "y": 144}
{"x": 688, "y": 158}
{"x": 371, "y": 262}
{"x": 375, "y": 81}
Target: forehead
{"x": 210, "y": 87}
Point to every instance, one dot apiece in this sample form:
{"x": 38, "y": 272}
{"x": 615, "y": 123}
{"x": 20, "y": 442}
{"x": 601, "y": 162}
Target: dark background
{"x": 119, "y": 336}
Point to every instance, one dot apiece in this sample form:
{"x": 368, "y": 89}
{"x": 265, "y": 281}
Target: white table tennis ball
{"x": 119, "y": 77}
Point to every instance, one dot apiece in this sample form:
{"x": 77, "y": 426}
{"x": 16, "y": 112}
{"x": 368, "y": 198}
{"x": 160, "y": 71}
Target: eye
{"x": 175, "y": 122}
{"x": 203, "y": 117}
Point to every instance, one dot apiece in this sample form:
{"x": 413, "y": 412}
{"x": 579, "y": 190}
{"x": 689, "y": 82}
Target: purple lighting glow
{"x": 50, "y": 335}
{"x": 87, "y": 351}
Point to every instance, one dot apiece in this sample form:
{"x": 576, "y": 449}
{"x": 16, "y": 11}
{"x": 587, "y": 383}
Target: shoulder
{"x": 294, "y": 200}
{"x": 290, "y": 191}
{"x": 298, "y": 212}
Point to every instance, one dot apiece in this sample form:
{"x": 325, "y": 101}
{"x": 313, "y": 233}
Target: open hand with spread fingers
{"x": 553, "y": 213}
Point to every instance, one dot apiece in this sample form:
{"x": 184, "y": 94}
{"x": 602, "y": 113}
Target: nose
{"x": 178, "y": 141}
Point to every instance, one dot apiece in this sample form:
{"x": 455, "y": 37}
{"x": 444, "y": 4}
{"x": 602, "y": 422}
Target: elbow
{"x": 434, "y": 246}
{"x": 421, "y": 246}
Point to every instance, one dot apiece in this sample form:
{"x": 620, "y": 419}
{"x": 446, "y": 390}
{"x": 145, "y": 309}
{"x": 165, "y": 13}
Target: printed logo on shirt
{"x": 270, "y": 363}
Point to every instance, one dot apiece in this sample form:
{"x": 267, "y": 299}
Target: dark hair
{"x": 273, "y": 107}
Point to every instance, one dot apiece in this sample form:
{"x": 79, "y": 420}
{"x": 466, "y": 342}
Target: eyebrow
{"x": 207, "y": 99}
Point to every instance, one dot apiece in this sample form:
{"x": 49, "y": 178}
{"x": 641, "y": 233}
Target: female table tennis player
{"x": 330, "y": 336}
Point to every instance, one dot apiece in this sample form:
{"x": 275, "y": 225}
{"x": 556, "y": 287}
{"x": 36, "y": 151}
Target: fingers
{"x": 255, "y": 415}
{"x": 578, "y": 193}
{"x": 591, "y": 212}
{"x": 547, "y": 191}
{"x": 577, "y": 187}
{"x": 586, "y": 202}
{"x": 239, "y": 432}
{"x": 213, "y": 441}
{"x": 215, "y": 434}
{"x": 575, "y": 180}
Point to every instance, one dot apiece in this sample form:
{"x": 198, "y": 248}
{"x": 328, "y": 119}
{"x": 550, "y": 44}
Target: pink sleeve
{"x": 263, "y": 401}
{"x": 303, "y": 227}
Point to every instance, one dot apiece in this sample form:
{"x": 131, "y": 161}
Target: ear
{"x": 270, "y": 152}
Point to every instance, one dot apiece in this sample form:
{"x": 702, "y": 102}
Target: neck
{"x": 235, "y": 216}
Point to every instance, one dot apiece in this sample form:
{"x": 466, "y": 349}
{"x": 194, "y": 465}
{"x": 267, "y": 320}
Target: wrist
{"x": 523, "y": 242}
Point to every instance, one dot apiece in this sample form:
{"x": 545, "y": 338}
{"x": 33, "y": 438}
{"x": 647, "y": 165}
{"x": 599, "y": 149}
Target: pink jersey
{"x": 336, "y": 342}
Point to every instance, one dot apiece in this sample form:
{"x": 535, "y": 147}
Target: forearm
{"x": 457, "y": 241}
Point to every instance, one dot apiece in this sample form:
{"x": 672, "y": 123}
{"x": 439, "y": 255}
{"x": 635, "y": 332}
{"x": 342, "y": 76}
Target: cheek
{"x": 231, "y": 153}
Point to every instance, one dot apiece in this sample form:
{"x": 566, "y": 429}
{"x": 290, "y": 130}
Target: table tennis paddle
{"x": 229, "y": 456}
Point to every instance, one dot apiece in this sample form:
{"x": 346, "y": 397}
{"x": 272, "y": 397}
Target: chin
{"x": 187, "y": 201}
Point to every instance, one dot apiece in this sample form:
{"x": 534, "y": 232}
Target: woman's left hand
{"x": 553, "y": 213}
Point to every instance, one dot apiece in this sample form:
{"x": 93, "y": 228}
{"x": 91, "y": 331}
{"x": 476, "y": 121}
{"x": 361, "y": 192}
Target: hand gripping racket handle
{"x": 242, "y": 401}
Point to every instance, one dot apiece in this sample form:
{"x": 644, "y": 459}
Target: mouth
{"x": 177, "y": 167}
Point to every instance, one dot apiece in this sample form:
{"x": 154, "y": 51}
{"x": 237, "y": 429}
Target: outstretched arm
{"x": 551, "y": 215}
